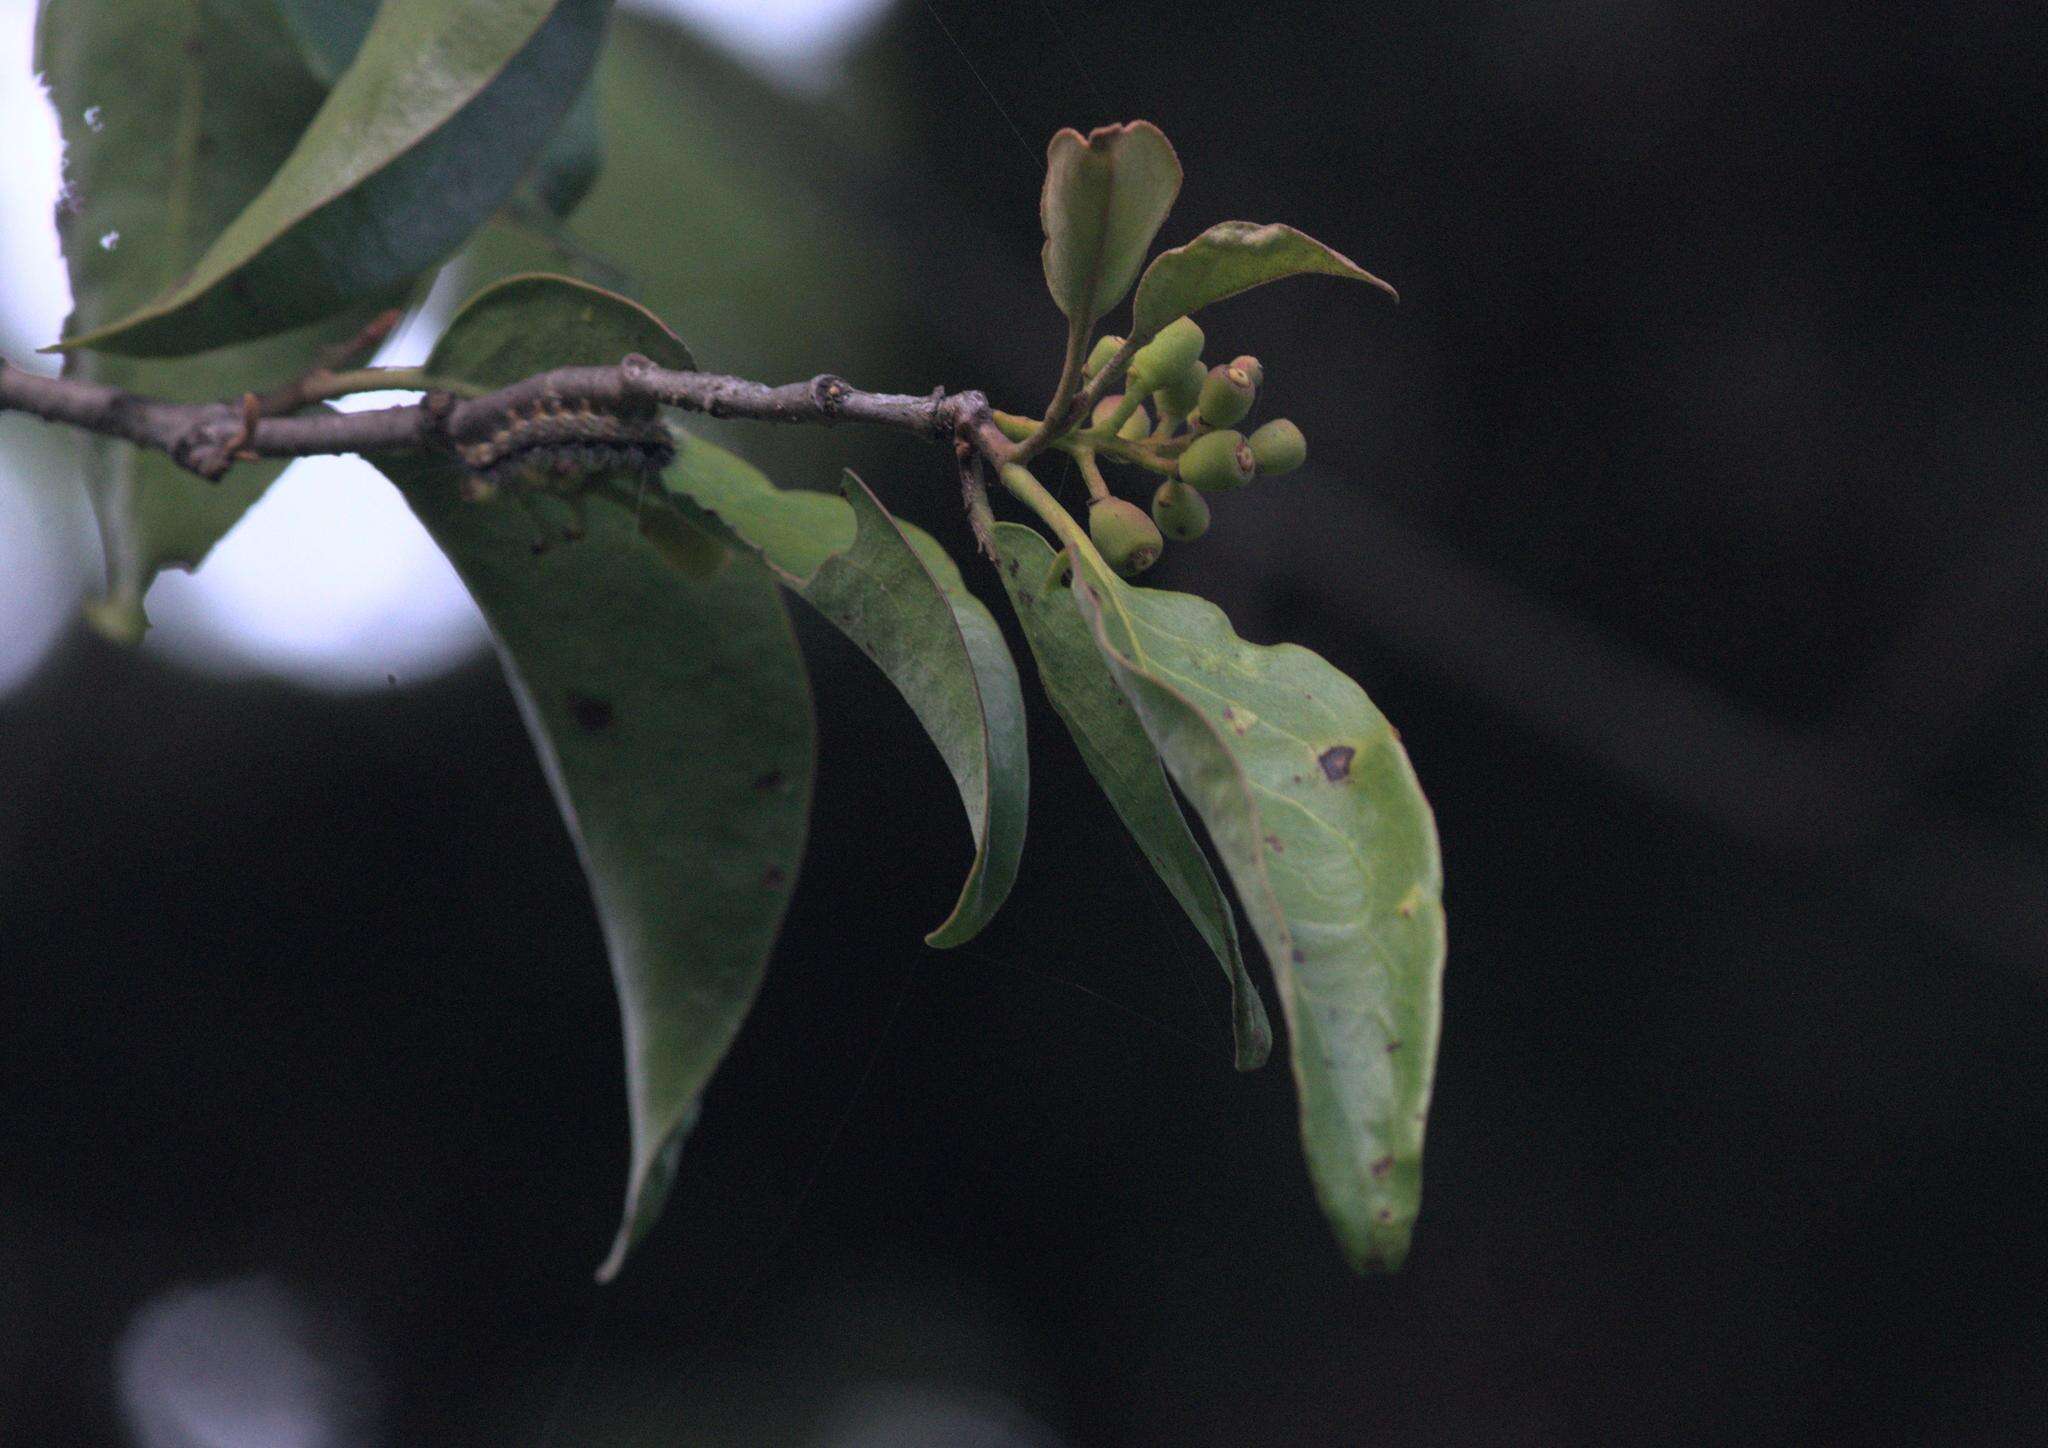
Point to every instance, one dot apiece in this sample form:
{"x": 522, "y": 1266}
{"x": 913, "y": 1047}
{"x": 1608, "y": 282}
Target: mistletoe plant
{"x": 308, "y": 163}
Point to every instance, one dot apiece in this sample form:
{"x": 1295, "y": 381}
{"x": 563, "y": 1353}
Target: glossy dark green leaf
{"x": 434, "y": 122}
{"x": 1232, "y": 257}
{"x": 1105, "y": 196}
{"x": 892, "y": 590}
{"x": 671, "y": 714}
{"x": 330, "y": 32}
{"x": 1120, "y": 756}
{"x": 165, "y": 143}
{"x": 1311, "y": 803}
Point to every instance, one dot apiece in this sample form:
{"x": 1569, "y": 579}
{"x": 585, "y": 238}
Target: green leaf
{"x": 432, "y": 125}
{"x": 1104, "y": 200}
{"x": 165, "y": 143}
{"x": 330, "y": 32}
{"x": 1124, "y": 763}
{"x": 1310, "y": 801}
{"x": 735, "y": 209}
{"x": 670, "y": 712}
{"x": 1232, "y": 257}
{"x": 913, "y": 616}
{"x": 573, "y": 158}
{"x": 892, "y": 590}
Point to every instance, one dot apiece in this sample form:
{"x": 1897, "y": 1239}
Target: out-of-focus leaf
{"x": 330, "y": 32}
{"x": 738, "y": 211}
{"x": 1104, "y": 199}
{"x": 574, "y": 155}
{"x": 165, "y": 142}
{"x": 892, "y": 590}
{"x": 1310, "y": 801}
{"x": 440, "y": 114}
{"x": 671, "y": 714}
{"x": 1124, "y": 763}
{"x": 1232, "y": 257}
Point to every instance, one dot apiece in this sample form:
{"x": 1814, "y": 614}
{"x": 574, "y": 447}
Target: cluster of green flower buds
{"x": 1210, "y": 456}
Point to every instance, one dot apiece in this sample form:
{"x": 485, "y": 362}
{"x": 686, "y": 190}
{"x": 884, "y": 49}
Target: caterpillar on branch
{"x": 555, "y": 446}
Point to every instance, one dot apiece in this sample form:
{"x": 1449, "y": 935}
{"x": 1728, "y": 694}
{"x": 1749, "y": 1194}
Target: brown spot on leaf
{"x": 1381, "y": 1167}
{"x": 771, "y": 780}
{"x": 1273, "y": 843}
{"x": 1384, "y": 1215}
{"x": 592, "y": 714}
{"x": 774, "y": 877}
{"x": 1336, "y": 762}
{"x": 1393, "y": 1046}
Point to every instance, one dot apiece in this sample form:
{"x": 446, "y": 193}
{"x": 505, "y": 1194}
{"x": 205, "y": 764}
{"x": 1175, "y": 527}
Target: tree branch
{"x": 207, "y": 438}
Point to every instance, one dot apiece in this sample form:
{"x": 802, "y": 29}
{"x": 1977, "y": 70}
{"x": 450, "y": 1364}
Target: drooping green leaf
{"x": 942, "y": 649}
{"x": 892, "y": 590}
{"x": 1232, "y": 257}
{"x": 1105, "y": 196}
{"x": 165, "y": 143}
{"x": 440, "y": 114}
{"x": 670, "y": 711}
{"x": 330, "y": 32}
{"x": 1310, "y": 801}
{"x": 1124, "y": 763}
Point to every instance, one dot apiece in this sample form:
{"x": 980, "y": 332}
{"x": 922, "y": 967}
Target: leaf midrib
{"x": 179, "y": 203}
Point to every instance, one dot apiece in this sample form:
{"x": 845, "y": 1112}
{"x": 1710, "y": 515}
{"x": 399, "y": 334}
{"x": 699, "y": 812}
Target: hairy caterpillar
{"x": 557, "y": 446}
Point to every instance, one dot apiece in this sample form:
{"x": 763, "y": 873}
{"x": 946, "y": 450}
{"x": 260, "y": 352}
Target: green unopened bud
{"x": 1216, "y": 462}
{"x": 1181, "y": 395}
{"x": 1181, "y": 513}
{"x": 1105, "y": 348}
{"x": 1227, "y": 395}
{"x": 1166, "y": 356}
{"x": 1253, "y": 368}
{"x": 1127, "y": 539}
{"x": 1279, "y": 447}
{"x": 1136, "y": 423}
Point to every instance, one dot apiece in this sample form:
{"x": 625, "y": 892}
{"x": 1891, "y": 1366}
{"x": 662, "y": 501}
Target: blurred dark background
{"x": 1687, "y": 517}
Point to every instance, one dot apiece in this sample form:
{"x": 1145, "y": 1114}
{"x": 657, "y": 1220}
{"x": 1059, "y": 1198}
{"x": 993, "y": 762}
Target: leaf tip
{"x": 1254, "y": 1041}
{"x": 118, "y": 618}
{"x": 1379, "y": 1244}
{"x": 1102, "y": 138}
{"x": 654, "y": 1172}
{"x": 977, "y": 906}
